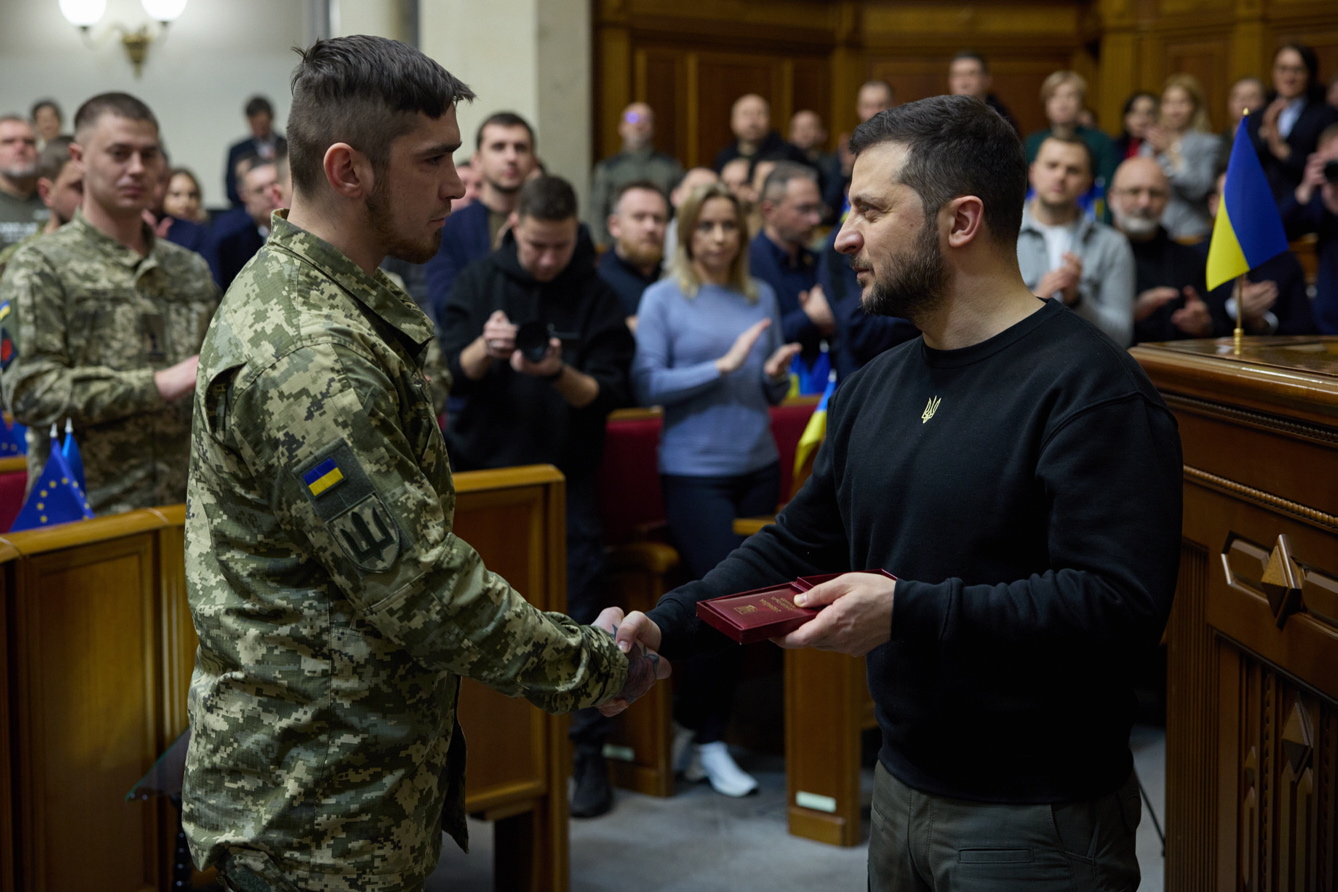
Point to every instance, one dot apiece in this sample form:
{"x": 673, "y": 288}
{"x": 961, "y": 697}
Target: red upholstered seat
{"x": 630, "y": 502}
{"x": 12, "y": 485}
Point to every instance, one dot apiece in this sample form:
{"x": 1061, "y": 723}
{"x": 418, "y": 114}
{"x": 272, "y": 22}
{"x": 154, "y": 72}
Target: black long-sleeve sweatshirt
{"x": 1027, "y": 492}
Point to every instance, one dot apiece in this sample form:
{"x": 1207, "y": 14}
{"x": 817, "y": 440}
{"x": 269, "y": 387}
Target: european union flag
{"x": 13, "y": 438}
{"x": 73, "y": 458}
{"x": 55, "y": 497}
{"x": 1248, "y": 230}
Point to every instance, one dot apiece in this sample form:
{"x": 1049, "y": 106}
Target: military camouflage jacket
{"x": 90, "y": 321}
{"x": 336, "y": 610}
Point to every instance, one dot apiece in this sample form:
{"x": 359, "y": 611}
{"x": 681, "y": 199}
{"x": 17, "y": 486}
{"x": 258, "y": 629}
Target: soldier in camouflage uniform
{"x": 100, "y": 321}
{"x": 335, "y": 608}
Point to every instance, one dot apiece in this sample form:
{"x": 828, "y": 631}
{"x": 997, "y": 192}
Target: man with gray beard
{"x": 1168, "y": 276}
{"x": 21, "y": 209}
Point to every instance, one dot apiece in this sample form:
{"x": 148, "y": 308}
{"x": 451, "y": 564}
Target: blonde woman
{"x": 709, "y": 351}
{"x": 1182, "y": 144}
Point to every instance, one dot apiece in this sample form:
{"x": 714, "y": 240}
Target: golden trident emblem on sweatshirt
{"x": 930, "y": 408}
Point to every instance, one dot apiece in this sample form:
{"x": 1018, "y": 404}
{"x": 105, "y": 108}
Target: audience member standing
{"x": 1168, "y": 275}
{"x": 873, "y": 97}
{"x": 637, "y": 162}
{"x": 107, "y": 321}
{"x": 60, "y": 185}
{"x": 1063, "y": 94}
{"x": 264, "y": 142}
{"x": 1187, "y": 151}
{"x": 539, "y": 355}
{"x": 779, "y": 255}
{"x": 1313, "y": 207}
{"x": 504, "y": 157}
{"x": 21, "y": 210}
{"x": 1273, "y": 296}
{"x": 1140, "y": 113}
{"x": 236, "y": 240}
{"x": 1288, "y": 131}
{"x": 47, "y": 120}
{"x": 969, "y": 75}
{"x": 638, "y": 222}
{"x": 809, "y": 135}
{"x": 184, "y": 199}
{"x": 1064, "y": 254}
{"x": 709, "y": 351}
{"x": 694, "y": 179}
{"x": 750, "y": 121}
{"x": 1247, "y": 94}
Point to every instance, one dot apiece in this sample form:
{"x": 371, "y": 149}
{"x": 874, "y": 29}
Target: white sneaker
{"x": 719, "y": 767}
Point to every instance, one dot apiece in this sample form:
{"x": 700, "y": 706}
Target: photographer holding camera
{"x": 1314, "y": 208}
{"x": 539, "y": 355}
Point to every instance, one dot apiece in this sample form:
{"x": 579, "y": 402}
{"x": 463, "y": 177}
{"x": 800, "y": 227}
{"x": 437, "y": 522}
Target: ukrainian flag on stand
{"x": 1248, "y": 230}
{"x": 55, "y": 497}
{"x": 816, "y": 429}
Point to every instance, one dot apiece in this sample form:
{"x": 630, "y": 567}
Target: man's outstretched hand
{"x": 638, "y": 637}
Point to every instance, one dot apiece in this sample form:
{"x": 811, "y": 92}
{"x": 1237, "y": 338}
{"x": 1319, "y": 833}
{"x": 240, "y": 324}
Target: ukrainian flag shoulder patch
{"x": 323, "y": 477}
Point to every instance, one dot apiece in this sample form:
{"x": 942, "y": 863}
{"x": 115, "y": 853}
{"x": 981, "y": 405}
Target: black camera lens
{"x": 532, "y": 340}
{"x": 1331, "y": 171}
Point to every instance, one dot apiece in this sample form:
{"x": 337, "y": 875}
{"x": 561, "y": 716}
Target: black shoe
{"x": 594, "y": 793}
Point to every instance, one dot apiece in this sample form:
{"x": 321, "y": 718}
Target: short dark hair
{"x": 53, "y": 158}
{"x": 46, "y": 103}
{"x": 1134, "y": 97}
{"x": 1314, "y": 87}
{"x": 258, "y": 105}
{"x": 365, "y": 91}
{"x": 1073, "y": 140}
{"x": 547, "y": 198}
{"x": 643, "y": 185}
{"x": 774, "y": 186}
{"x": 956, "y": 145}
{"x": 123, "y": 105}
{"x": 974, "y": 56}
{"x": 503, "y": 119}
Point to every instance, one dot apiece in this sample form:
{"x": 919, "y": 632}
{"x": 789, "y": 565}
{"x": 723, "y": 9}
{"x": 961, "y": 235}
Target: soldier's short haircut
{"x": 777, "y": 182}
{"x": 123, "y": 105}
{"x": 643, "y": 185}
{"x": 503, "y": 119}
{"x": 258, "y": 105}
{"x": 1077, "y": 142}
{"x": 547, "y": 198}
{"x": 956, "y": 145}
{"x": 974, "y": 57}
{"x": 55, "y": 155}
{"x": 365, "y": 91}
{"x": 13, "y": 117}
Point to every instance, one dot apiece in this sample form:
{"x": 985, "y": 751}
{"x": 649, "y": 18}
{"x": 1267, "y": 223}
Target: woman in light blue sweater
{"x": 709, "y": 352}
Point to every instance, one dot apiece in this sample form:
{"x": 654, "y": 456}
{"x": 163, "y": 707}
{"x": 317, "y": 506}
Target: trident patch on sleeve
{"x": 343, "y": 496}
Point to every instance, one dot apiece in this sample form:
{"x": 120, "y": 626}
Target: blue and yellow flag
{"x": 55, "y": 496}
{"x": 1248, "y": 230}
{"x": 816, "y": 429}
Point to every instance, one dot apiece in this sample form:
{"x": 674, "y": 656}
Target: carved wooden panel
{"x": 1279, "y": 779}
{"x": 6, "y": 765}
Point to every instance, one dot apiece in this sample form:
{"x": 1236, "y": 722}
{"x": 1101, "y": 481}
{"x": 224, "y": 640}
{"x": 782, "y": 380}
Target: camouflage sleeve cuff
{"x": 144, "y": 389}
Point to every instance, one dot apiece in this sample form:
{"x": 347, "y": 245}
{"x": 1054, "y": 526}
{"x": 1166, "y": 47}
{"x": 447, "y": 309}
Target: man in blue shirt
{"x": 504, "y": 157}
{"x": 779, "y": 255}
{"x": 638, "y": 223}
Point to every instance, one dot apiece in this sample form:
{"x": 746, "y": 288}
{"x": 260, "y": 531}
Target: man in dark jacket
{"x": 539, "y": 355}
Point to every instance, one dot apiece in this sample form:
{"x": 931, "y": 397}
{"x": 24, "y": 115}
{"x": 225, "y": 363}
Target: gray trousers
{"x": 924, "y": 843}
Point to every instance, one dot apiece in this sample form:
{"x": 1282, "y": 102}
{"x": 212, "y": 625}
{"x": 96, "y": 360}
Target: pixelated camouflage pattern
{"x": 325, "y": 749}
{"x": 91, "y": 322}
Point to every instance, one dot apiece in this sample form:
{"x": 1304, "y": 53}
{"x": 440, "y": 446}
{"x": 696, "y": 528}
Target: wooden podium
{"x": 1252, "y": 694}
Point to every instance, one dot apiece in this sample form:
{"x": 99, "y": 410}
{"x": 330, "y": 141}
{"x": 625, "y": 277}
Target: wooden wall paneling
{"x": 88, "y": 713}
{"x": 662, "y": 82}
{"x": 613, "y": 74}
{"x": 810, "y": 88}
{"x": 1205, "y": 56}
{"x": 723, "y": 78}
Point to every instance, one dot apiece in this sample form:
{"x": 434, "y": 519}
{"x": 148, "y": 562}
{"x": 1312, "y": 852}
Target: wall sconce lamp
{"x": 86, "y": 13}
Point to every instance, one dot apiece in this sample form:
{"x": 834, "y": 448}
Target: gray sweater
{"x": 1106, "y": 290}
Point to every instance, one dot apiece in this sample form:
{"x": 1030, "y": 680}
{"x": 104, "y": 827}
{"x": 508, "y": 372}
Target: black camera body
{"x": 1331, "y": 171}
{"x": 532, "y": 339}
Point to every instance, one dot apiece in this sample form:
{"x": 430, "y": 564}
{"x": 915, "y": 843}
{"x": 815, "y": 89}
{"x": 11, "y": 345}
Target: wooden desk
{"x": 1252, "y": 693}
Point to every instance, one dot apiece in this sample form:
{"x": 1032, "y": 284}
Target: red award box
{"x": 764, "y": 613}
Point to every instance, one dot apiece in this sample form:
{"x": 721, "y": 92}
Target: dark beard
{"x": 917, "y": 284}
{"x": 379, "y": 215}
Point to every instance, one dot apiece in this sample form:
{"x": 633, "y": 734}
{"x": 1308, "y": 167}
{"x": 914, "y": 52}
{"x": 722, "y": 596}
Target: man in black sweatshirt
{"x": 1016, "y": 470}
{"x": 539, "y": 354}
